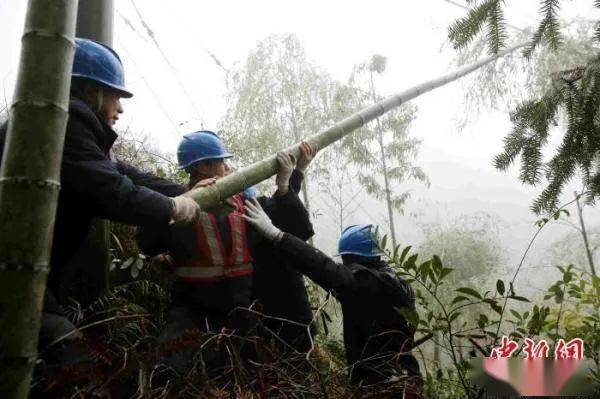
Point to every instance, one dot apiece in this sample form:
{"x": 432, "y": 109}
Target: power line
{"x": 150, "y": 33}
{"x": 159, "y": 103}
{"x": 129, "y": 24}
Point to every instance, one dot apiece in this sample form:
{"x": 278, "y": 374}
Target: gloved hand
{"x": 185, "y": 209}
{"x": 307, "y": 154}
{"x": 286, "y": 167}
{"x": 257, "y": 217}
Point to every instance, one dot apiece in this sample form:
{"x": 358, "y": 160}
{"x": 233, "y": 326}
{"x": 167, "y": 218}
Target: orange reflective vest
{"x": 213, "y": 263}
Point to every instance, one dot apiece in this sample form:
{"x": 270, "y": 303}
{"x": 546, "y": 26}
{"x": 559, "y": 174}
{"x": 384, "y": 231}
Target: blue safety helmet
{"x": 200, "y": 146}
{"x": 361, "y": 240}
{"x": 100, "y": 63}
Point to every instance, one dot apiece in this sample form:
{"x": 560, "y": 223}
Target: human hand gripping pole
{"x": 185, "y": 209}
{"x": 257, "y": 217}
{"x": 285, "y": 168}
{"x": 307, "y": 154}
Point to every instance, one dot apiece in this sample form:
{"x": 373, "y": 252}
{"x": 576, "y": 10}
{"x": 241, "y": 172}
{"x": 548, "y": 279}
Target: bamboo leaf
{"x": 469, "y": 291}
{"x": 405, "y": 251}
{"x": 445, "y": 271}
{"x": 459, "y": 298}
{"x": 519, "y": 298}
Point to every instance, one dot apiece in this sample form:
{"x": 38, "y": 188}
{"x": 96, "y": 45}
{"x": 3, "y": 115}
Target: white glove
{"x": 185, "y": 209}
{"x": 307, "y": 154}
{"x": 286, "y": 167}
{"x": 257, "y": 217}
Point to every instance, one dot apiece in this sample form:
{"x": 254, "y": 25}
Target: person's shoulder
{"x": 81, "y": 117}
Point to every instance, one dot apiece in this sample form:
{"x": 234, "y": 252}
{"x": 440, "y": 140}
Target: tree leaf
{"x": 445, "y": 271}
{"x": 127, "y": 263}
{"x": 436, "y": 262}
{"x": 469, "y": 291}
{"x": 519, "y": 298}
{"x": 500, "y": 287}
{"x": 404, "y": 253}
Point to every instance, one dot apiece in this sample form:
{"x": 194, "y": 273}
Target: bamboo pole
{"x": 29, "y": 183}
{"x": 95, "y": 20}
{"x": 262, "y": 170}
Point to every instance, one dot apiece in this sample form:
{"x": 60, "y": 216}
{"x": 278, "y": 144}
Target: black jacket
{"x": 94, "y": 186}
{"x": 369, "y": 296}
{"x": 277, "y": 286}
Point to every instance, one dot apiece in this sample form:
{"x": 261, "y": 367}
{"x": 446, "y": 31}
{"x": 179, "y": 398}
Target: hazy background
{"x": 201, "y": 40}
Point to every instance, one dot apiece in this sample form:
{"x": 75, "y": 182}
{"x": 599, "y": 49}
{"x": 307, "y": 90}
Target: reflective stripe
{"x": 212, "y": 272}
{"x": 237, "y": 236}
{"x": 211, "y": 239}
{"x": 213, "y": 262}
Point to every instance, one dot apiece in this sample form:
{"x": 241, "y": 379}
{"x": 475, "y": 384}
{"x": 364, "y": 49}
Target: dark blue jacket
{"x": 369, "y": 297}
{"x": 94, "y": 186}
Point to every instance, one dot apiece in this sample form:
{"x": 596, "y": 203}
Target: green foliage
{"x": 470, "y": 245}
{"x": 443, "y": 316}
{"x": 576, "y": 294}
{"x": 576, "y": 93}
{"x": 570, "y": 249}
{"x": 564, "y": 76}
{"x": 548, "y": 30}
{"x": 489, "y": 13}
{"x": 276, "y": 98}
{"x": 384, "y": 147}
{"x": 383, "y": 151}
{"x": 135, "y": 149}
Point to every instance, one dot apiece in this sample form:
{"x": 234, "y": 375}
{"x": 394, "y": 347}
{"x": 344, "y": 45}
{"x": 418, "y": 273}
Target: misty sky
{"x": 336, "y": 35}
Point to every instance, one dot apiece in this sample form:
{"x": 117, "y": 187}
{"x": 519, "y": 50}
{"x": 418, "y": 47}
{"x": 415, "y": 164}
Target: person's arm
{"x": 150, "y": 181}
{"x": 96, "y": 181}
{"x": 315, "y": 265}
{"x": 296, "y": 180}
{"x": 308, "y": 260}
{"x": 285, "y": 208}
{"x": 307, "y": 154}
{"x": 289, "y": 214}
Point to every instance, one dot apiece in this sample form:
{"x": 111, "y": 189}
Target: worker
{"x": 369, "y": 292}
{"x": 93, "y": 184}
{"x": 212, "y": 257}
{"x": 278, "y": 288}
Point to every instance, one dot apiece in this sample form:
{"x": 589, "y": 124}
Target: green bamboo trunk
{"x": 262, "y": 170}
{"x": 29, "y": 184}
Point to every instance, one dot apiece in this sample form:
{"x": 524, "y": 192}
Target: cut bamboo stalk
{"x": 262, "y": 170}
